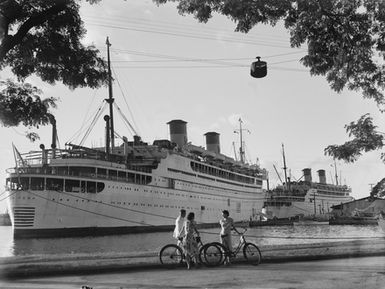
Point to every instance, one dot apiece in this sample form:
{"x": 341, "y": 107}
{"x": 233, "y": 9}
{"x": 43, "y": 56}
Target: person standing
{"x": 179, "y": 226}
{"x": 227, "y": 224}
{"x": 190, "y": 245}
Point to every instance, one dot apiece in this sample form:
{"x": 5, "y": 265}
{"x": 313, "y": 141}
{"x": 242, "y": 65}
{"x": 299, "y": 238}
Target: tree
{"x": 43, "y": 38}
{"x": 345, "y": 41}
{"x": 22, "y": 104}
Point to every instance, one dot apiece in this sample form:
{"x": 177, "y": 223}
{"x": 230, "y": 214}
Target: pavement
{"x": 347, "y": 264}
{"x": 358, "y": 272}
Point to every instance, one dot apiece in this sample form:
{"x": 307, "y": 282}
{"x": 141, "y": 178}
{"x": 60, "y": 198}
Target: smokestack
{"x": 212, "y": 142}
{"x": 322, "y": 176}
{"x": 307, "y": 174}
{"x": 178, "y": 132}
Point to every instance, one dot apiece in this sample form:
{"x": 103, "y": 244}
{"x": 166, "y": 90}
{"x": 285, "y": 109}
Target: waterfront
{"x": 350, "y": 273}
{"x": 154, "y": 241}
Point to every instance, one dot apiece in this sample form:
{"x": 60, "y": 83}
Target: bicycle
{"x": 172, "y": 255}
{"x": 250, "y": 251}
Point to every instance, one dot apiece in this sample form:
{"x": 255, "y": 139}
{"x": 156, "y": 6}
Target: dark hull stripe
{"x": 94, "y": 231}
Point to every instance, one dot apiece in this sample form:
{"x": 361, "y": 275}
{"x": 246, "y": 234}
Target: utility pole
{"x": 110, "y": 99}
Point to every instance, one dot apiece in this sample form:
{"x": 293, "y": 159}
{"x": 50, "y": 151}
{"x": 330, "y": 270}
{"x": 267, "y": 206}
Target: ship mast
{"x": 284, "y": 167}
{"x": 110, "y": 99}
{"x": 335, "y": 170}
{"x": 241, "y": 149}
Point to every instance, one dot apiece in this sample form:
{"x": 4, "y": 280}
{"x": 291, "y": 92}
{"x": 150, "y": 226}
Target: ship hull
{"x": 127, "y": 208}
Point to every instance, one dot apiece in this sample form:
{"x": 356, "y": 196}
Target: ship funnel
{"x": 307, "y": 175}
{"x": 322, "y": 176}
{"x": 178, "y": 132}
{"x": 212, "y": 142}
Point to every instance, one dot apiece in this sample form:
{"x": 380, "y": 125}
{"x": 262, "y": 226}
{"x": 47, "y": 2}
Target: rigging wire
{"x": 98, "y": 114}
{"x": 128, "y": 124}
{"x": 125, "y": 100}
{"x": 79, "y": 131}
{"x": 89, "y": 108}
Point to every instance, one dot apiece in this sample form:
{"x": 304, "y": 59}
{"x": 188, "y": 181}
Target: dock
{"x": 65, "y": 264}
{"x": 353, "y": 221}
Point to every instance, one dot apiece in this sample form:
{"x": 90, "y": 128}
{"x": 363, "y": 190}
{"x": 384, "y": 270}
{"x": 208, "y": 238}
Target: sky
{"x": 167, "y": 66}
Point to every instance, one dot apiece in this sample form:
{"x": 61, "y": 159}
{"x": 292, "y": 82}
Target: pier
{"x": 351, "y": 264}
{"x": 38, "y": 265}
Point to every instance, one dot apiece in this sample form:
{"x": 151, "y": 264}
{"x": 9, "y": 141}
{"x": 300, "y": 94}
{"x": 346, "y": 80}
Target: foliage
{"x": 366, "y": 138}
{"x": 43, "y": 38}
{"x": 345, "y": 39}
{"x": 22, "y": 104}
{"x": 45, "y": 41}
{"x": 379, "y": 189}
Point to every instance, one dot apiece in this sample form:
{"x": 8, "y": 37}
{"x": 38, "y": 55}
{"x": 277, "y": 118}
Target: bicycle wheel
{"x": 224, "y": 251}
{"x": 252, "y": 253}
{"x": 171, "y": 255}
{"x": 212, "y": 255}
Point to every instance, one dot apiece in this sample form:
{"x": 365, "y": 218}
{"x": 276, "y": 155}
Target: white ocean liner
{"x": 136, "y": 187}
{"x": 306, "y": 198}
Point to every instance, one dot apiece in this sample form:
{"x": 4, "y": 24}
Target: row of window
{"x": 92, "y": 172}
{"x": 217, "y": 172}
{"x": 67, "y": 185}
{"x": 335, "y": 193}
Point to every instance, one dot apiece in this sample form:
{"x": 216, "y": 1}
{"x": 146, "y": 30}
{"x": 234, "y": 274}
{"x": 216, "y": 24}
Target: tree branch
{"x": 11, "y": 41}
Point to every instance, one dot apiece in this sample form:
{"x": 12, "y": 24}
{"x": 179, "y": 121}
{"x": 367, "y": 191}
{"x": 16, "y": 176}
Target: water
{"x": 154, "y": 241}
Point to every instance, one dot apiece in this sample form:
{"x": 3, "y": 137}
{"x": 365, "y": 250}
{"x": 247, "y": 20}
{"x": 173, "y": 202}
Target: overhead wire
{"x": 201, "y": 33}
{"x": 195, "y": 28}
{"x": 191, "y": 36}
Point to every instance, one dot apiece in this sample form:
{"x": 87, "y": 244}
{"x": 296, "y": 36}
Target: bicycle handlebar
{"x": 242, "y": 233}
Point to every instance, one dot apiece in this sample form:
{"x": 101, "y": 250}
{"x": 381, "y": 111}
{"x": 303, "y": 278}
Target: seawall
{"x": 37, "y": 265}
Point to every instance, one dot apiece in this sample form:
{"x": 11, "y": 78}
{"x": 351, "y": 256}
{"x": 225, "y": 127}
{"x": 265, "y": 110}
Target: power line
{"x": 180, "y": 28}
{"x": 192, "y": 36}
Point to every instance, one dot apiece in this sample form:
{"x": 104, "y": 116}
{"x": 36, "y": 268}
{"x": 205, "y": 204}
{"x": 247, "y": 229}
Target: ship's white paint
{"x": 306, "y": 207}
{"x": 123, "y": 204}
